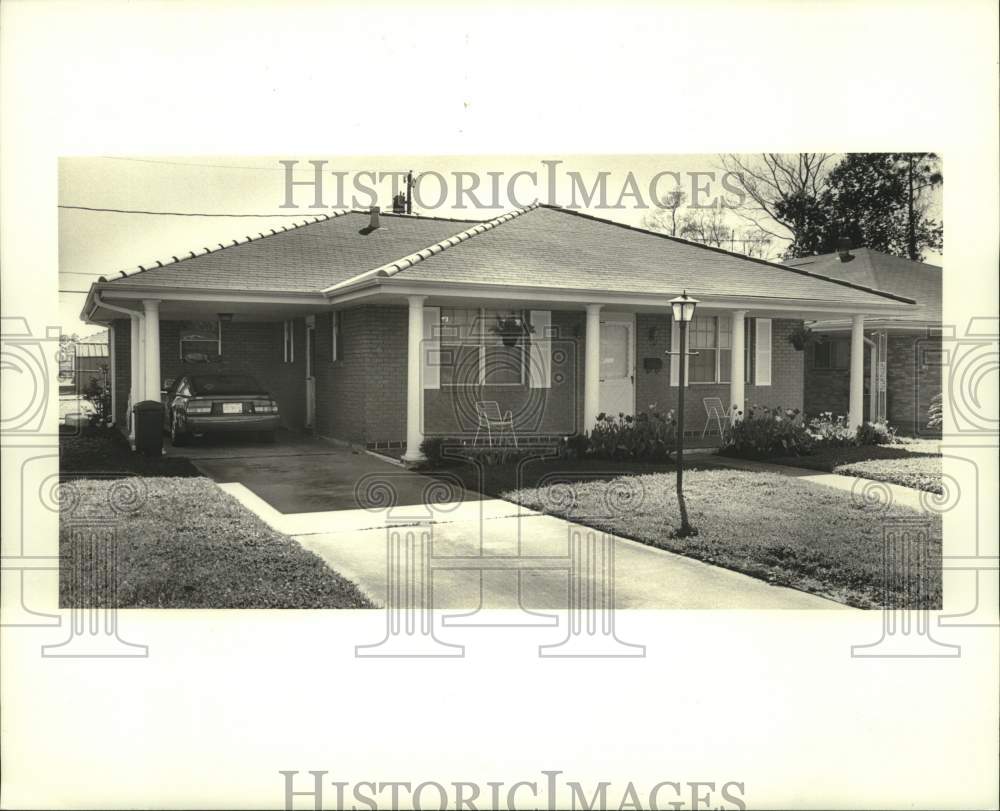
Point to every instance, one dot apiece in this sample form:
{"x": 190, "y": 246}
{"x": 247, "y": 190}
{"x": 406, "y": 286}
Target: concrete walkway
{"x": 869, "y": 492}
{"x": 354, "y": 543}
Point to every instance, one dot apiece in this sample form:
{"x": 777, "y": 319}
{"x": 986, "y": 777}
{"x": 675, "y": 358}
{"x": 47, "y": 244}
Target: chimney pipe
{"x": 375, "y": 219}
{"x": 844, "y": 249}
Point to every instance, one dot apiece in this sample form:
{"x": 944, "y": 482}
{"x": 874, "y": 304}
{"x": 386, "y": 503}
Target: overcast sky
{"x": 94, "y": 243}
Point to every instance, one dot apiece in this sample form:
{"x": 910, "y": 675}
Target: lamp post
{"x": 682, "y": 309}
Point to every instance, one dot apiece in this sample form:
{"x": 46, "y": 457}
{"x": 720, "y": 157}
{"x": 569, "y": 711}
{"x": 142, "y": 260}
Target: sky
{"x": 94, "y": 243}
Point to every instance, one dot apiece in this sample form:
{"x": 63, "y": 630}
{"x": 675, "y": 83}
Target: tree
{"x": 707, "y": 227}
{"x": 664, "y": 218}
{"x": 783, "y": 195}
{"x": 883, "y": 201}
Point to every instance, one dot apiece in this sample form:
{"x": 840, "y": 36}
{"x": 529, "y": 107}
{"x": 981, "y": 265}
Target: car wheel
{"x": 178, "y": 437}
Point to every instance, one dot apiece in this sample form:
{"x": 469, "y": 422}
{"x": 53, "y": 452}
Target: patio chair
{"x": 490, "y": 418}
{"x": 715, "y": 410}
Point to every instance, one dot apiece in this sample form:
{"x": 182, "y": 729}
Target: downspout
{"x": 132, "y": 314}
{"x": 872, "y": 380}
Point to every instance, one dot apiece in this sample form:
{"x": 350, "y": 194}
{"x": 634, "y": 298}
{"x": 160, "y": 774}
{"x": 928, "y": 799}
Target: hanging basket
{"x": 512, "y": 330}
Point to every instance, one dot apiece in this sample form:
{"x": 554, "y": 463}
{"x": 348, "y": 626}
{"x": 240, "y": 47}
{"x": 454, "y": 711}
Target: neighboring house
{"x": 378, "y": 329}
{"x": 90, "y": 360}
{"x": 902, "y": 357}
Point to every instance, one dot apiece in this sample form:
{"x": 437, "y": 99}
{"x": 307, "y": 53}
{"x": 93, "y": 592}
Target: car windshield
{"x": 224, "y": 384}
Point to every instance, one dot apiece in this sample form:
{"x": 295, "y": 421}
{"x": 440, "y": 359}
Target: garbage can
{"x": 147, "y": 417}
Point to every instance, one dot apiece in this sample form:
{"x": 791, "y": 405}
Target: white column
{"x": 414, "y": 381}
{"x": 737, "y": 366}
{"x": 856, "y": 410}
{"x": 592, "y": 368}
{"x": 137, "y": 381}
{"x": 151, "y": 308}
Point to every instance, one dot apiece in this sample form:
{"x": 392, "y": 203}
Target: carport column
{"x": 856, "y": 409}
{"x": 592, "y": 368}
{"x": 151, "y": 308}
{"x": 737, "y": 366}
{"x": 137, "y": 384}
{"x": 414, "y": 381}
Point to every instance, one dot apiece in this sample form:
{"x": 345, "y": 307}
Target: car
{"x": 198, "y": 404}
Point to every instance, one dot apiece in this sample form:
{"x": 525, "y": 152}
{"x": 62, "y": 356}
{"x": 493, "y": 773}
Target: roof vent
{"x": 844, "y": 249}
{"x": 399, "y": 204}
{"x": 375, "y": 218}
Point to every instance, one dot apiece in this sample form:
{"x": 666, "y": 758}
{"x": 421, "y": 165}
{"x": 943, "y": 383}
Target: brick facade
{"x": 653, "y": 340}
{"x": 911, "y": 382}
{"x": 361, "y": 396}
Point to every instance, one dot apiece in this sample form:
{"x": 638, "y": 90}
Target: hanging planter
{"x": 801, "y": 337}
{"x": 511, "y": 329}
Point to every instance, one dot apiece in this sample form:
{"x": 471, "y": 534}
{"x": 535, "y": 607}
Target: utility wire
{"x": 203, "y": 165}
{"x": 184, "y": 213}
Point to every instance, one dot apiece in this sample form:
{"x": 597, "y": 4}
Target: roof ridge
{"x": 399, "y": 265}
{"x": 125, "y": 274}
{"x": 766, "y": 262}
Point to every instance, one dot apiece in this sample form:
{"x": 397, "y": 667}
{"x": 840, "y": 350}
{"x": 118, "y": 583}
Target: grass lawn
{"x": 910, "y": 463}
{"x": 183, "y": 543}
{"x": 762, "y": 524}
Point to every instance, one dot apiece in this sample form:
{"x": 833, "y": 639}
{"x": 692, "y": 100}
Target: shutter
{"x": 431, "y": 350}
{"x": 675, "y": 360}
{"x": 762, "y": 352}
{"x": 540, "y": 357}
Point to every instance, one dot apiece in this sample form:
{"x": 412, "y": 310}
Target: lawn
{"x": 911, "y": 463}
{"x": 762, "y": 524}
{"x": 181, "y": 542}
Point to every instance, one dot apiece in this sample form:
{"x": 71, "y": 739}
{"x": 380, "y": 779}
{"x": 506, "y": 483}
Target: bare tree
{"x": 664, "y": 217}
{"x": 781, "y": 192}
{"x": 755, "y": 242}
{"x": 709, "y": 227}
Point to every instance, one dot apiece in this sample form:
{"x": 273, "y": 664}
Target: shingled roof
{"x": 301, "y": 259}
{"x": 537, "y": 246}
{"x": 551, "y": 247}
{"x": 917, "y": 280}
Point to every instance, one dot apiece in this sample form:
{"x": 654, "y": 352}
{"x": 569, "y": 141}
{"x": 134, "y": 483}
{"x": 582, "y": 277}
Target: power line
{"x": 198, "y": 165}
{"x": 182, "y": 213}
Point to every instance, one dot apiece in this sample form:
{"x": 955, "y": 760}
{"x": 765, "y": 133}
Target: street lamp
{"x": 683, "y": 312}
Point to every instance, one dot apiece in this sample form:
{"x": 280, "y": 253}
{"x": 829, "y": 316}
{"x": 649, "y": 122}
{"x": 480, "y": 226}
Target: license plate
{"x": 232, "y": 408}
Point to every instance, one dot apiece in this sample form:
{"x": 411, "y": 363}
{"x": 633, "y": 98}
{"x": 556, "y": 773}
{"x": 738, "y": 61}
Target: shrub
{"x": 577, "y": 445}
{"x": 935, "y": 414}
{"x": 875, "y": 433}
{"x": 828, "y": 431}
{"x": 767, "y": 432}
{"x": 99, "y": 396}
{"x": 431, "y": 448}
{"x": 648, "y": 436}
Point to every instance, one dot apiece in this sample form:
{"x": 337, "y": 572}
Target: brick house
{"x": 902, "y": 356}
{"x": 379, "y": 329}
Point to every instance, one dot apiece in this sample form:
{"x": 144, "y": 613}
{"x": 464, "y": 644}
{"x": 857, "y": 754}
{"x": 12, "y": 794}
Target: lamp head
{"x": 683, "y": 307}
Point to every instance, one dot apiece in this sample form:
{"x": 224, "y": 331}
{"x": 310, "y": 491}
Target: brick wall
{"x": 653, "y": 340}
{"x": 910, "y": 383}
{"x": 342, "y": 385}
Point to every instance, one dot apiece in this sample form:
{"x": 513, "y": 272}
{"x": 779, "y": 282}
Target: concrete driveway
{"x": 342, "y": 505}
{"x": 302, "y": 474}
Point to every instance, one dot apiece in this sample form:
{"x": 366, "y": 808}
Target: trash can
{"x": 147, "y": 417}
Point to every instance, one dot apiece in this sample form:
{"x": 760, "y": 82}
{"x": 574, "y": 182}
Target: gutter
{"x": 99, "y": 302}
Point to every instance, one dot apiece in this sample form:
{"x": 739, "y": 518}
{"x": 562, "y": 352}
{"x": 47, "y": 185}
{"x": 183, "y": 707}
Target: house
{"x": 902, "y": 355}
{"x": 379, "y": 329}
{"x": 88, "y": 359}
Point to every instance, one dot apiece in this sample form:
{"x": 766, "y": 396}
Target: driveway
{"x": 341, "y": 504}
{"x": 302, "y": 474}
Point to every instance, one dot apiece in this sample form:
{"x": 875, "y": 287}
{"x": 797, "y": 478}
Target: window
{"x": 201, "y": 341}
{"x": 472, "y": 354}
{"x": 832, "y": 354}
{"x": 288, "y": 341}
{"x": 336, "y": 341}
{"x": 712, "y": 338}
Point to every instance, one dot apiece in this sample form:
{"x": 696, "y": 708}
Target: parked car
{"x": 198, "y": 404}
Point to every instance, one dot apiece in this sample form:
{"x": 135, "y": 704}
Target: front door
{"x": 310, "y": 371}
{"x": 617, "y": 364}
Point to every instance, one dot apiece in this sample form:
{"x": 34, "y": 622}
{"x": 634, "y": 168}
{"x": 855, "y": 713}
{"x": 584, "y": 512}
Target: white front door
{"x": 617, "y": 364}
